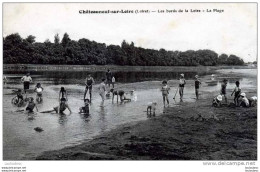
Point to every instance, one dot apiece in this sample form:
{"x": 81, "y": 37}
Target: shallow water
{"x": 21, "y": 141}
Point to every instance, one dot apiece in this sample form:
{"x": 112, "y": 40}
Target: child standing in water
{"x": 237, "y": 92}
{"x": 102, "y": 90}
{"x": 38, "y": 89}
{"x": 89, "y": 82}
{"x": 197, "y": 86}
{"x": 113, "y": 81}
{"x": 165, "y": 91}
{"x": 181, "y": 85}
{"x": 63, "y": 94}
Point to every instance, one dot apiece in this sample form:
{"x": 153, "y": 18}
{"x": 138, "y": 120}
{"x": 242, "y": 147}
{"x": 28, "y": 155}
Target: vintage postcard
{"x": 129, "y": 81}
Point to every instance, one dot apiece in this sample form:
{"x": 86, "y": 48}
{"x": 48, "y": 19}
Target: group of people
{"x": 240, "y": 98}
{"x": 165, "y": 89}
{"x": 63, "y": 98}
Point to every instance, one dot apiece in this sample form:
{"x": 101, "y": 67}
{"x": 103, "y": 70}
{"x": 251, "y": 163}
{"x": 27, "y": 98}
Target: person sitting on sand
{"x": 30, "y": 106}
{"x": 63, "y": 94}
{"x": 61, "y": 108}
{"x": 197, "y": 86}
{"x": 181, "y": 85}
{"x": 119, "y": 93}
{"x": 223, "y": 89}
{"x": 165, "y": 91}
{"x": 244, "y": 101}
{"x": 85, "y": 108}
{"x": 237, "y": 92}
{"x": 38, "y": 89}
{"x": 252, "y": 101}
{"x": 217, "y": 101}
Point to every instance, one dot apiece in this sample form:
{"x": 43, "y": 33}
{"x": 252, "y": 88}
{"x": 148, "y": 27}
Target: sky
{"x": 231, "y": 31}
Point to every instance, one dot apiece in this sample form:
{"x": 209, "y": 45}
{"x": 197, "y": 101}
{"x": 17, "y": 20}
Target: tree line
{"x": 85, "y": 52}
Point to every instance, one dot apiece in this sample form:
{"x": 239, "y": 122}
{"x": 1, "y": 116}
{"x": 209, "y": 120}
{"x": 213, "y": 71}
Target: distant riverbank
{"x": 46, "y": 67}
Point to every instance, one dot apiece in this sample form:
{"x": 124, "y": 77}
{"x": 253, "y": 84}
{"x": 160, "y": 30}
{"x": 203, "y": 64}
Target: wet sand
{"x": 188, "y": 131}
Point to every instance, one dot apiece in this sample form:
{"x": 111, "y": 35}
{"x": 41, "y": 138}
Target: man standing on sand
{"x": 26, "y": 82}
{"x": 109, "y": 77}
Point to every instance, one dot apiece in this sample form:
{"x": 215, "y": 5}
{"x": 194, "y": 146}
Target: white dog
{"x": 152, "y": 107}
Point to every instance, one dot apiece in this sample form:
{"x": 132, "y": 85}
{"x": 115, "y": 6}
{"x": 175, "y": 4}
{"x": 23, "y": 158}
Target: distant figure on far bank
{"x": 26, "y": 80}
{"x": 197, "y": 86}
{"x": 89, "y": 82}
{"x": 223, "y": 91}
{"x": 108, "y": 78}
{"x": 181, "y": 85}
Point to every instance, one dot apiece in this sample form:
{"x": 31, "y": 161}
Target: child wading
{"x": 89, "y": 82}
{"x": 38, "y": 89}
{"x": 61, "y": 108}
{"x": 165, "y": 91}
{"x": 18, "y": 99}
{"x": 30, "y": 106}
{"x": 120, "y": 93}
{"x": 63, "y": 94}
{"x": 237, "y": 92}
{"x": 102, "y": 90}
{"x": 113, "y": 81}
{"x": 85, "y": 109}
{"x": 197, "y": 86}
{"x": 26, "y": 82}
{"x": 181, "y": 85}
{"x": 223, "y": 89}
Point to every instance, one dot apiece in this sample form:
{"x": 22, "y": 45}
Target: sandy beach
{"x": 187, "y": 131}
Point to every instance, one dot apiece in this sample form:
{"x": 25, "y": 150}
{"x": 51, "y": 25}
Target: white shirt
{"x": 244, "y": 99}
{"x": 26, "y": 79}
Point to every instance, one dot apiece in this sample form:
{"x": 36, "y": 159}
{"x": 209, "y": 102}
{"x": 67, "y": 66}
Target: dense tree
{"x": 56, "y": 39}
{"x": 86, "y": 52}
{"x": 65, "y": 40}
{"x": 30, "y": 39}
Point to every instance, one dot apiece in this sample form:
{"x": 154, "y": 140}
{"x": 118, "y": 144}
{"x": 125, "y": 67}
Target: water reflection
{"x": 69, "y": 77}
{"x": 63, "y": 119}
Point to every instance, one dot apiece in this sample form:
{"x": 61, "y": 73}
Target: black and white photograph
{"x": 130, "y": 82}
